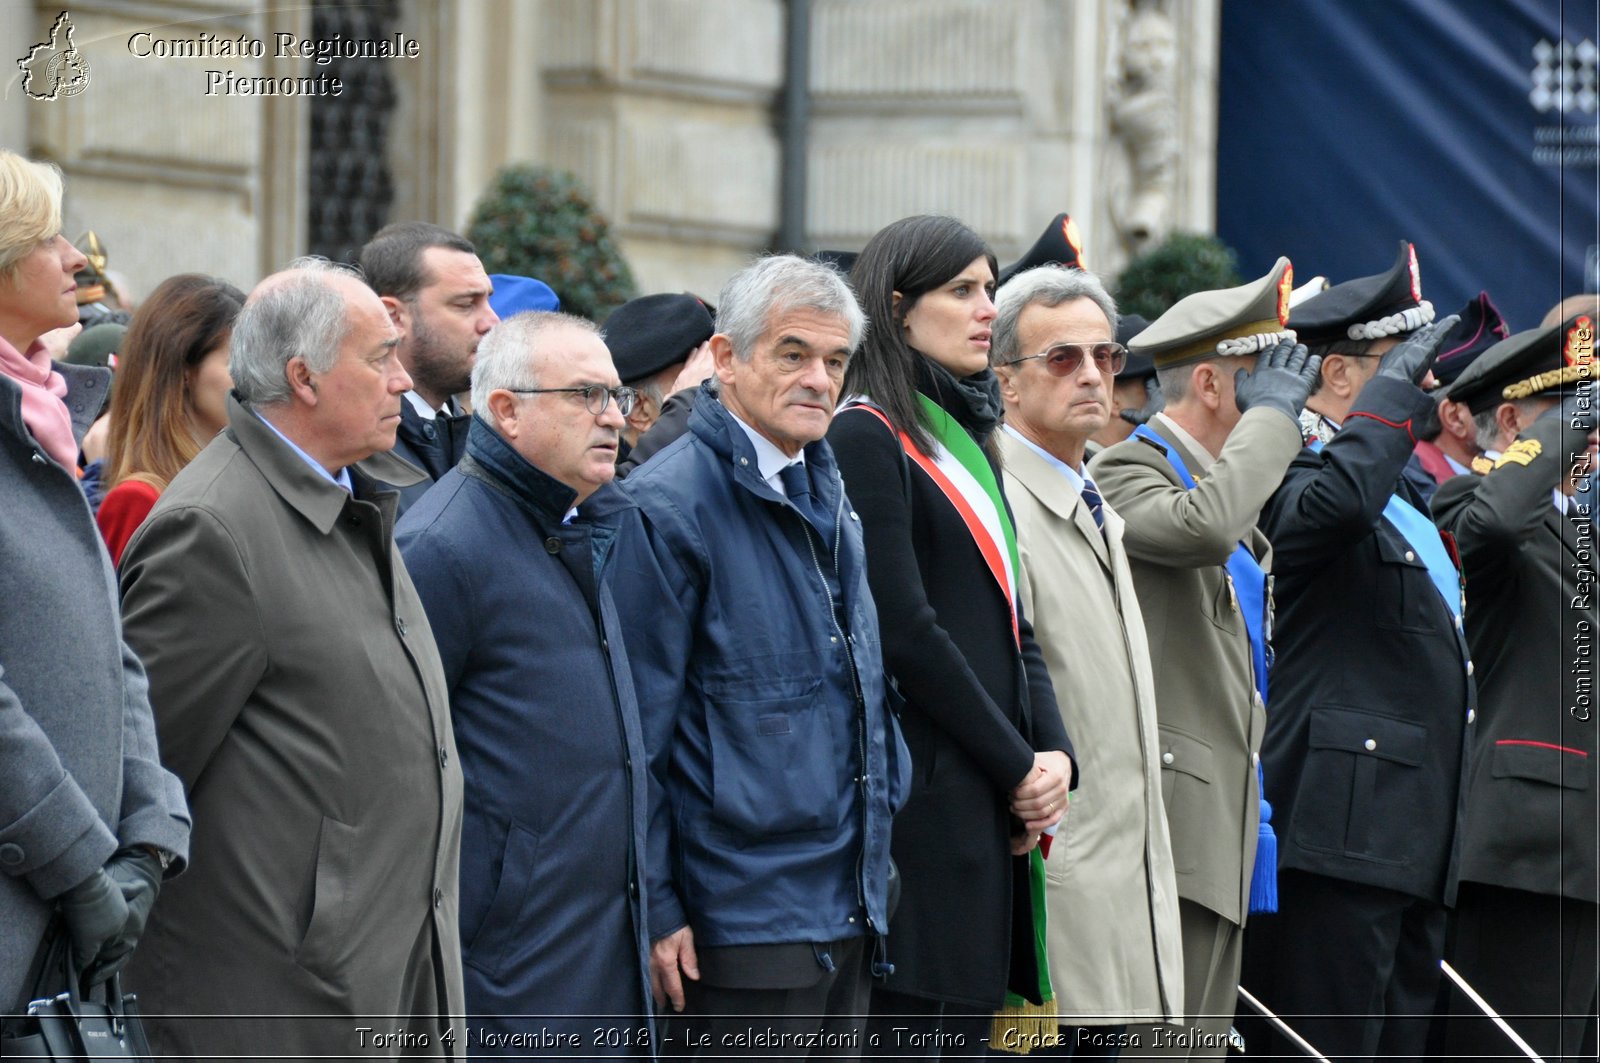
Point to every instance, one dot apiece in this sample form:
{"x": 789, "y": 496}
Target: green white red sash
{"x": 960, "y": 470}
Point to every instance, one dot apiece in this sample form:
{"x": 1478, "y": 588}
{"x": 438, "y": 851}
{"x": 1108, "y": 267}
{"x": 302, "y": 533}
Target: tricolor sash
{"x": 959, "y": 469}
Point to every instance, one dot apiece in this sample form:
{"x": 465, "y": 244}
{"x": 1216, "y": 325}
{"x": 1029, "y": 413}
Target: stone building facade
{"x": 1001, "y": 112}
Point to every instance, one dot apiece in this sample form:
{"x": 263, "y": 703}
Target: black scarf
{"x": 973, "y": 401}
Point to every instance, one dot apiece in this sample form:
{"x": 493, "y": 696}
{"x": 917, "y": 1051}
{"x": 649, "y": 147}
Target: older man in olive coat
{"x": 299, "y": 695}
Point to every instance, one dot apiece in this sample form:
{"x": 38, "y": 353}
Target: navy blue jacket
{"x": 775, "y": 765}
{"x": 434, "y": 446}
{"x": 548, "y": 733}
{"x": 1371, "y": 691}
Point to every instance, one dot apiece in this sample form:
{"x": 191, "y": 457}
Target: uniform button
{"x": 744, "y": 461}
{"x": 627, "y": 762}
{"x": 444, "y": 757}
{"x": 11, "y": 854}
{"x": 1411, "y": 555}
{"x": 1255, "y": 758}
{"x": 833, "y": 638}
{"x": 853, "y": 515}
{"x": 604, "y": 645}
{"x": 552, "y": 545}
{"x": 1472, "y": 714}
{"x": 1469, "y": 668}
{"x": 633, "y": 887}
{"x": 400, "y": 625}
{"x": 1166, "y": 758}
{"x": 1370, "y": 744}
{"x": 438, "y": 897}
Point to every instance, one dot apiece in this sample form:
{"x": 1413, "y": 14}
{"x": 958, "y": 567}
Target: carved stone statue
{"x": 1142, "y": 101}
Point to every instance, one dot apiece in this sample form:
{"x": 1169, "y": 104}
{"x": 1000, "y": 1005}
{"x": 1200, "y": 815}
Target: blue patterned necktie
{"x": 1095, "y": 503}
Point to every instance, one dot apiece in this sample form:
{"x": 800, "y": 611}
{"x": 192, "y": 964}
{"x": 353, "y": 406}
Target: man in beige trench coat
{"x": 298, "y": 694}
{"x": 1112, "y": 901}
{"x": 1181, "y": 543}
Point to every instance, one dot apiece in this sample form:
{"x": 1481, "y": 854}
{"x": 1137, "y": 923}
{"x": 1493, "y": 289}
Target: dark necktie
{"x": 1095, "y": 503}
{"x": 797, "y": 485}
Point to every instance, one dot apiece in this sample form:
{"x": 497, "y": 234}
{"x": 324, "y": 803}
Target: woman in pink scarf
{"x": 38, "y": 294}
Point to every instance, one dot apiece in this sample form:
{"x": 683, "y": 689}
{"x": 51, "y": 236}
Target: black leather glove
{"x": 95, "y": 913}
{"x": 1153, "y": 402}
{"x": 137, "y": 872}
{"x": 1413, "y": 356}
{"x": 1578, "y": 413}
{"x": 1283, "y": 379}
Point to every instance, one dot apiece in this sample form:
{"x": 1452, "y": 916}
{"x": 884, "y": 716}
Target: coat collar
{"x": 533, "y": 488}
{"x": 714, "y": 426}
{"x": 1053, "y": 491}
{"x": 314, "y": 497}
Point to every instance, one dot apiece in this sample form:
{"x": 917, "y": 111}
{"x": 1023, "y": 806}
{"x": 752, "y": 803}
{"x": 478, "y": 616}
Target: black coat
{"x": 976, "y": 710}
{"x": 433, "y": 446}
{"x": 1531, "y": 622}
{"x": 1370, "y": 694}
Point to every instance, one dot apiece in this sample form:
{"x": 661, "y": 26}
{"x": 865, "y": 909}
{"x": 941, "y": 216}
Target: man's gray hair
{"x": 1048, "y": 286}
{"x": 300, "y": 315}
{"x": 506, "y": 354}
{"x": 1487, "y": 423}
{"x": 776, "y": 284}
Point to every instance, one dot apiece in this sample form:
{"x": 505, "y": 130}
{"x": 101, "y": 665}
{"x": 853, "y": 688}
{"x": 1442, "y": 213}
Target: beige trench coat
{"x": 298, "y": 694}
{"x": 1114, "y": 942}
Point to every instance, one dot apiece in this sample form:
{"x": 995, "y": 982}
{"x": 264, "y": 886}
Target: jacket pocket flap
{"x": 1368, "y": 734}
{"x": 1185, "y": 753}
{"x": 1541, "y": 762}
{"x": 1396, "y": 551}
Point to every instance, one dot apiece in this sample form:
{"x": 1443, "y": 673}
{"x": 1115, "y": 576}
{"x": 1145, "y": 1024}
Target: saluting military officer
{"x": 1371, "y": 690}
{"x": 1524, "y": 930}
{"x": 1190, "y": 485}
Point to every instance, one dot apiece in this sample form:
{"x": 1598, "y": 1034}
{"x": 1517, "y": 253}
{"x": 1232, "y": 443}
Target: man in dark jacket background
{"x": 437, "y": 295}
{"x": 509, "y": 554}
{"x": 775, "y": 764}
{"x": 1523, "y": 932}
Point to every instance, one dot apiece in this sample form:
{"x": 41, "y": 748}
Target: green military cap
{"x": 1226, "y": 322}
{"x": 1528, "y": 363}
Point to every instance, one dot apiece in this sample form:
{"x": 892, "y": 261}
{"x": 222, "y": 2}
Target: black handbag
{"x": 63, "y": 1023}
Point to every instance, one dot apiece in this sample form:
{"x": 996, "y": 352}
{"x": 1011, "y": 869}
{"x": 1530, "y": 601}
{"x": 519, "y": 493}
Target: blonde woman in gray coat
{"x": 89, "y": 820}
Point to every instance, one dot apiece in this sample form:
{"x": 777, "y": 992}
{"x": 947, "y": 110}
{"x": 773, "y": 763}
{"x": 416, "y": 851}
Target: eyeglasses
{"x": 1064, "y": 358}
{"x": 596, "y": 397}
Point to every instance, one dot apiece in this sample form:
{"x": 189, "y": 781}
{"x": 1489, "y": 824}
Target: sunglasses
{"x": 1064, "y": 358}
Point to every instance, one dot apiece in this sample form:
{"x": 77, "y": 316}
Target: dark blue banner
{"x": 1465, "y": 126}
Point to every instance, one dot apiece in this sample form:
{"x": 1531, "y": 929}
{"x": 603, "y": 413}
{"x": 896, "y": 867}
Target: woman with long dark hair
{"x": 171, "y": 396}
{"x": 990, "y": 758}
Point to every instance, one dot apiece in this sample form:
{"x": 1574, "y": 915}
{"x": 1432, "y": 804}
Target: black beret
{"x": 1529, "y": 363}
{"x": 647, "y": 334}
{"x": 1139, "y": 364}
{"x": 1367, "y": 308}
{"x": 839, "y": 260}
{"x": 1480, "y": 328}
{"x": 1059, "y": 246}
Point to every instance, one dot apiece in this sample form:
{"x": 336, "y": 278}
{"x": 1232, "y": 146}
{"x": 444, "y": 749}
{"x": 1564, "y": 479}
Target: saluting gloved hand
{"x": 1413, "y": 356}
{"x": 95, "y": 913}
{"x": 1153, "y": 402}
{"x": 137, "y": 872}
{"x": 1283, "y": 379}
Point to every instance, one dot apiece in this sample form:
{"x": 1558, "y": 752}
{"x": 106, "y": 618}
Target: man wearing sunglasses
{"x": 1113, "y": 933}
{"x": 509, "y": 552}
{"x": 1190, "y": 484}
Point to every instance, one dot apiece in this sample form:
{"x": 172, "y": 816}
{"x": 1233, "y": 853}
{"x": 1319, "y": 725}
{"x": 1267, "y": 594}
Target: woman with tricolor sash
{"x": 991, "y": 759}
